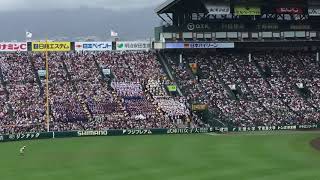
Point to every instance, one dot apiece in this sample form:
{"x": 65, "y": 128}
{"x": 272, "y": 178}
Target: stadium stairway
{"x": 100, "y": 69}
{"x": 227, "y": 88}
{"x": 242, "y": 78}
{"x": 169, "y": 73}
{"x": 4, "y": 84}
{"x": 108, "y": 81}
{"x": 104, "y": 78}
{"x": 260, "y": 70}
{"x": 214, "y": 113}
{"x": 266, "y": 76}
{"x": 286, "y": 76}
{"x": 36, "y": 75}
{"x": 84, "y": 105}
{"x": 305, "y": 92}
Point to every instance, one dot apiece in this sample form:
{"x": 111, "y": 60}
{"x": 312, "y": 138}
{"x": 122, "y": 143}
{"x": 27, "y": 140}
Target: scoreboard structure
{"x": 238, "y": 21}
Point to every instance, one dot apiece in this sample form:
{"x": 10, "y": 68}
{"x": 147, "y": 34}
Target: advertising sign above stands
{"x": 218, "y": 9}
{"x": 93, "y": 46}
{"x": 133, "y": 45}
{"x": 208, "y": 45}
{"x": 199, "y": 45}
{"x": 291, "y": 10}
{"x": 174, "y": 46}
{"x": 51, "y": 46}
{"x": 209, "y": 27}
{"x": 247, "y": 11}
{"x": 314, "y": 11}
{"x": 13, "y": 47}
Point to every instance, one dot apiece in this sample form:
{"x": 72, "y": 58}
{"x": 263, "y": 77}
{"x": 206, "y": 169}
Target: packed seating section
{"x": 239, "y": 91}
{"x": 266, "y": 85}
{"x": 81, "y": 96}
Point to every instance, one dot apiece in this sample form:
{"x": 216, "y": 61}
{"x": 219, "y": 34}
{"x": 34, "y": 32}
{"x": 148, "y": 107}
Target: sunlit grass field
{"x": 176, "y": 157}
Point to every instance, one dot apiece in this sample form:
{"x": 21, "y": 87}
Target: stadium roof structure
{"x": 165, "y": 6}
{"x": 170, "y": 6}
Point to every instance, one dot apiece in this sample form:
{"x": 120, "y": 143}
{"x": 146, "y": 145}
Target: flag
{"x": 28, "y": 34}
{"x": 114, "y": 34}
{"x": 162, "y": 39}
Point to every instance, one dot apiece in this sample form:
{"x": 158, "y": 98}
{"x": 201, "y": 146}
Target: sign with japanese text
{"x": 13, "y": 47}
{"x": 51, "y": 46}
{"x": 314, "y": 11}
{"x": 133, "y": 45}
{"x": 218, "y": 9}
{"x": 208, "y": 45}
{"x": 93, "y": 46}
{"x": 247, "y": 11}
{"x": 199, "y": 45}
{"x": 291, "y": 10}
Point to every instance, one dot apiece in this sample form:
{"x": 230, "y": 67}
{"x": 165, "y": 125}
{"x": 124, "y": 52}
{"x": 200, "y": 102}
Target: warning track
{"x": 316, "y": 144}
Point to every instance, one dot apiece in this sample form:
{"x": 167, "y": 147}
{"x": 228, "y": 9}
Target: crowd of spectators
{"x": 81, "y": 96}
{"x": 266, "y": 89}
{"x": 259, "y": 89}
{"x": 23, "y": 108}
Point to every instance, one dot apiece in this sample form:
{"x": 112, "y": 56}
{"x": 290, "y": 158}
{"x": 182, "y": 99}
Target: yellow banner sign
{"x": 247, "y": 11}
{"x": 199, "y": 107}
{"x": 51, "y": 46}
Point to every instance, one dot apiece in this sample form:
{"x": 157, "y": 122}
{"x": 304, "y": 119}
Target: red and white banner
{"x": 289, "y": 10}
{"x": 13, "y": 47}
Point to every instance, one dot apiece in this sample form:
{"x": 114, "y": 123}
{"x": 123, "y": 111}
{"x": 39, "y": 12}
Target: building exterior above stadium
{"x": 238, "y": 20}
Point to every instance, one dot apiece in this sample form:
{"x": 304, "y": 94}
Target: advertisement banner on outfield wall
{"x": 247, "y": 11}
{"x": 314, "y": 11}
{"x": 93, "y": 46}
{"x": 13, "y": 47}
{"x": 51, "y": 46}
{"x": 133, "y": 45}
{"x": 262, "y": 128}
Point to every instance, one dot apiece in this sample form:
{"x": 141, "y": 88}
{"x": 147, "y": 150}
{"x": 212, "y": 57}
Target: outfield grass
{"x": 176, "y": 157}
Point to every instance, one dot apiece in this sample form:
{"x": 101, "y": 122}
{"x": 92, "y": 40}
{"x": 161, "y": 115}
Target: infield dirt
{"x": 316, "y": 144}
